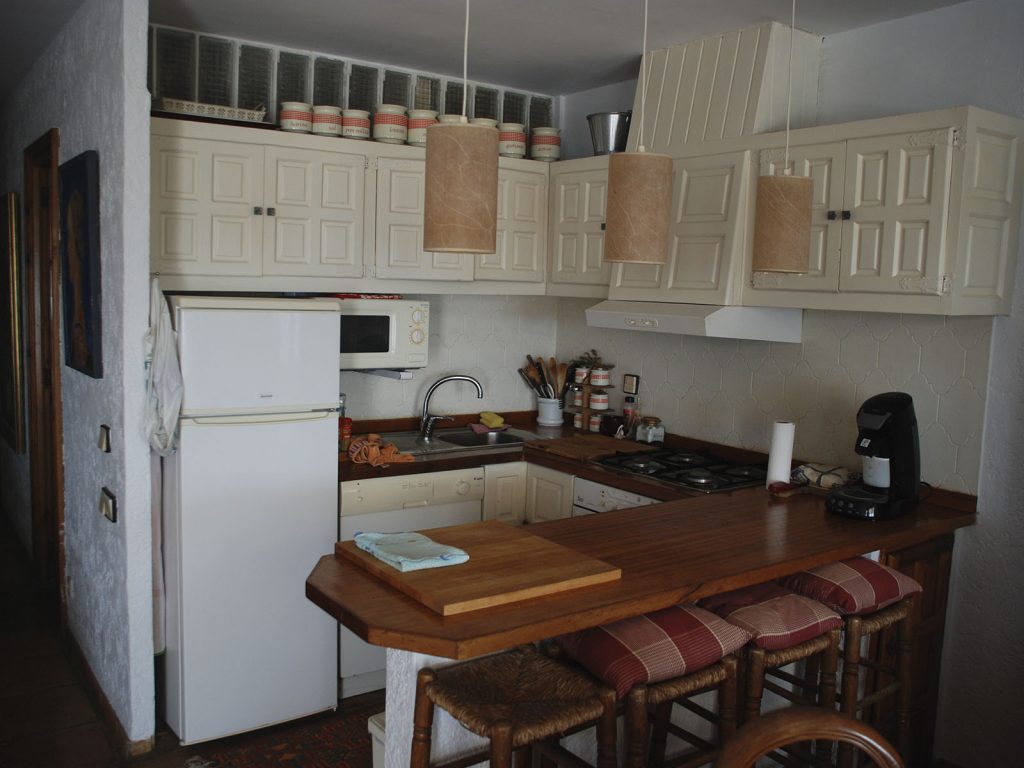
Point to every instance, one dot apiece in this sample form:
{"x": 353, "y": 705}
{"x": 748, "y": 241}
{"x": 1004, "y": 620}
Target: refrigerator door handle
{"x": 263, "y": 418}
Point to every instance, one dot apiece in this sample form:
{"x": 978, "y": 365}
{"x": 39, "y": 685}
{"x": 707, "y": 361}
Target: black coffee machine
{"x": 888, "y": 442}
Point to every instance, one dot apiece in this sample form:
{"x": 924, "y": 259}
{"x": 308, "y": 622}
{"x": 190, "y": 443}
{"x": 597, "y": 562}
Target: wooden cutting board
{"x": 506, "y": 564}
{"x": 588, "y": 447}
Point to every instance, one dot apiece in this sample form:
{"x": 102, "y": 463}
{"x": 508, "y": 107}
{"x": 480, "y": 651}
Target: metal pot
{"x": 609, "y": 131}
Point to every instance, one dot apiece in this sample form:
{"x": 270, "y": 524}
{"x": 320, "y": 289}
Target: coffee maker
{"x": 888, "y": 444}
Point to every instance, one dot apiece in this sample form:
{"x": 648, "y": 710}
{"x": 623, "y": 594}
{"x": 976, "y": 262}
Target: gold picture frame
{"x": 12, "y": 390}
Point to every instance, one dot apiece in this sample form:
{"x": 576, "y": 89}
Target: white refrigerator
{"x": 250, "y": 504}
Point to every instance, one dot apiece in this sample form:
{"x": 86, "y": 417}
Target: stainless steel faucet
{"x": 427, "y": 420}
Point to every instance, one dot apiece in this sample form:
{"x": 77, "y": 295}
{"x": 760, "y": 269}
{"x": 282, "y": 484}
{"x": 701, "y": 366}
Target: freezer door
{"x": 251, "y": 508}
{"x": 259, "y": 360}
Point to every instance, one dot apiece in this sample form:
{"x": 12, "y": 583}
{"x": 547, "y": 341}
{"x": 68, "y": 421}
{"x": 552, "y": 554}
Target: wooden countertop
{"x": 672, "y": 552}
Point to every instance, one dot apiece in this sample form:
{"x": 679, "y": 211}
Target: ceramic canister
{"x": 390, "y": 124}
{"x": 600, "y": 377}
{"x": 327, "y": 120}
{"x": 355, "y": 124}
{"x": 419, "y": 121}
{"x": 484, "y": 121}
{"x": 599, "y": 401}
{"x": 511, "y": 140}
{"x": 545, "y": 144}
{"x": 295, "y": 116}
{"x": 449, "y": 119}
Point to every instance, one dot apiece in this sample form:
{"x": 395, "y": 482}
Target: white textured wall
{"x": 617, "y": 97}
{"x": 730, "y": 391}
{"x": 90, "y": 84}
{"x": 965, "y": 54}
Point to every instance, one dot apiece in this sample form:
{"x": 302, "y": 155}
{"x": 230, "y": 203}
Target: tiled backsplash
{"x": 731, "y": 391}
{"x": 722, "y": 390}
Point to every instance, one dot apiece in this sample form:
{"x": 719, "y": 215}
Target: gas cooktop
{"x": 694, "y": 470}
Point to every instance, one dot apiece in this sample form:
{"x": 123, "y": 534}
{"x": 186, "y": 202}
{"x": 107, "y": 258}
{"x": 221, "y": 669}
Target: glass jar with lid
{"x": 650, "y": 430}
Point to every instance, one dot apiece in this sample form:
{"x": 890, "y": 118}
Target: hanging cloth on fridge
{"x": 163, "y": 404}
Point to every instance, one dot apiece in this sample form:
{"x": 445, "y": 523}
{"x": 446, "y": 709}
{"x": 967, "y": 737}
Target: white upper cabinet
{"x": 206, "y": 200}
{"x": 705, "y": 255}
{"x": 919, "y": 220}
{"x": 522, "y": 229}
{"x": 578, "y": 199}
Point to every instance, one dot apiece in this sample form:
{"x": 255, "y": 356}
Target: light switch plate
{"x": 108, "y": 505}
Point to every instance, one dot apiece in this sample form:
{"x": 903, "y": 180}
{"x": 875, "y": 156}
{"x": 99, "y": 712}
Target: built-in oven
{"x": 383, "y": 333}
{"x": 589, "y": 498}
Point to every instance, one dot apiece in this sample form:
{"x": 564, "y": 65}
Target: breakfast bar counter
{"x": 668, "y": 553}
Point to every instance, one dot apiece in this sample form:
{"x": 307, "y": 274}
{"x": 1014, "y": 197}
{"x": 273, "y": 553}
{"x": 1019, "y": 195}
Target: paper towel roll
{"x": 780, "y": 455}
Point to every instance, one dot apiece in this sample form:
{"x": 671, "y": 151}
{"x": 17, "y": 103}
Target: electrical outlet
{"x": 108, "y": 505}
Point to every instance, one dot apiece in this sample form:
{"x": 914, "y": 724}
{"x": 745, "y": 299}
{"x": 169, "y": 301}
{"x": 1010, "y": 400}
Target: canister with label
{"x": 390, "y": 124}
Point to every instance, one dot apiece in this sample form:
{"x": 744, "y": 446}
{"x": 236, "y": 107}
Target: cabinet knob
{"x": 833, "y": 215}
{"x": 257, "y": 211}
{"x": 273, "y": 212}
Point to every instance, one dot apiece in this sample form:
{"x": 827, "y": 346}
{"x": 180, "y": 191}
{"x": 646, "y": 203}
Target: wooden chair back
{"x": 764, "y": 734}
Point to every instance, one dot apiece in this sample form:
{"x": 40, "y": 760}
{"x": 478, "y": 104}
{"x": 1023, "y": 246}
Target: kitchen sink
{"x": 457, "y": 439}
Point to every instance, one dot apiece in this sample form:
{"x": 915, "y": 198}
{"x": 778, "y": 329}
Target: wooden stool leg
{"x": 904, "y": 648}
{"x": 636, "y": 727}
{"x": 501, "y": 745}
{"x": 827, "y": 693}
{"x": 607, "y": 727}
{"x": 523, "y": 757}
{"x": 423, "y": 721}
{"x": 851, "y": 682}
{"x": 659, "y": 732}
{"x": 755, "y": 683}
{"x": 728, "y": 692}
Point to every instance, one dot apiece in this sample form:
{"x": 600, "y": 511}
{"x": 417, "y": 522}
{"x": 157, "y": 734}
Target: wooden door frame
{"x": 42, "y": 348}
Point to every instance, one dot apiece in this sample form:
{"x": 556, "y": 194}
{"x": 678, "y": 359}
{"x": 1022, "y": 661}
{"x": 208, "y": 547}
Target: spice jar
{"x": 600, "y": 377}
{"x": 581, "y": 374}
{"x": 599, "y": 401}
{"x": 650, "y": 430}
{"x": 595, "y": 422}
{"x": 629, "y": 407}
{"x": 577, "y": 420}
{"x": 577, "y": 398}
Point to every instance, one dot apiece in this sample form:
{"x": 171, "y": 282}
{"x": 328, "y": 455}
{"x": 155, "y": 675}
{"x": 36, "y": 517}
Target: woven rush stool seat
{"x": 785, "y": 628}
{"x": 660, "y": 659}
{"x": 516, "y": 699}
{"x": 871, "y": 597}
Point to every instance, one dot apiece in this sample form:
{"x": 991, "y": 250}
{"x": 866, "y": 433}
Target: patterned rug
{"x": 334, "y": 740}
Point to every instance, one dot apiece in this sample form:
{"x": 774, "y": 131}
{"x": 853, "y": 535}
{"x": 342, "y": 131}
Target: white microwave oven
{"x": 383, "y": 333}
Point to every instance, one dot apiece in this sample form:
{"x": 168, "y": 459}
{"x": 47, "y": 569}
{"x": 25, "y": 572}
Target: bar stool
{"x": 785, "y": 628}
{"x": 660, "y": 659}
{"x": 516, "y": 699}
{"x": 871, "y": 597}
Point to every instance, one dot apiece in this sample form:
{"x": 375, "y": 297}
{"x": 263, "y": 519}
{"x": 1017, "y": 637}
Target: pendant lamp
{"x": 460, "y": 206}
{"x": 782, "y": 219}
{"x": 639, "y": 196}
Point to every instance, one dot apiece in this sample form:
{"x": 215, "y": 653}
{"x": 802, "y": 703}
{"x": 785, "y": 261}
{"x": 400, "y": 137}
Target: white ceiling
{"x": 545, "y": 46}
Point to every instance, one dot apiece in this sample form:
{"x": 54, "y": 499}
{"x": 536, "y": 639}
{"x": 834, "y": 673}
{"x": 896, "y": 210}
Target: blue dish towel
{"x": 409, "y": 551}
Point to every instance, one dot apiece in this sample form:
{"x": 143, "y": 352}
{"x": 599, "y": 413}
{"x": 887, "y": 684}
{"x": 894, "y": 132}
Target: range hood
{"x": 755, "y": 323}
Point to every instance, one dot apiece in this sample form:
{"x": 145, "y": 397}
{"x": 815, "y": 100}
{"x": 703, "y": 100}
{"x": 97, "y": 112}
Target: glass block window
{"x": 362, "y": 88}
{"x": 427, "y": 94}
{"x": 513, "y": 108}
{"x": 175, "y": 64}
{"x": 485, "y": 103}
{"x": 540, "y": 112}
{"x": 216, "y": 71}
{"x": 292, "y": 77}
{"x": 396, "y": 88}
{"x": 255, "y": 67}
{"x": 328, "y": 81}
{"x": 453, "y": 98}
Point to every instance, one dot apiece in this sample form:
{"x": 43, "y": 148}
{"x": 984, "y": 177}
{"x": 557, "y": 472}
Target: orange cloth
{"x": 370, "y": 450}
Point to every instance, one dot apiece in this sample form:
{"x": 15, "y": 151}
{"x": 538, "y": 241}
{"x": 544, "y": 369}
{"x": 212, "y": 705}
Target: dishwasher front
{"x": 393, "y": 505}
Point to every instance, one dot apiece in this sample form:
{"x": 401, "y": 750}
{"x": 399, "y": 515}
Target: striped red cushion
{"x": 656, "y": 646}
{"x": 854, "y": 586}
{"x": 775, "y": 617}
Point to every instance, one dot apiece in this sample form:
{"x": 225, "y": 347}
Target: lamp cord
{"x": 643, "y": 82}
{"x": 465, "y": 61}
{"x": 789, "y": 92}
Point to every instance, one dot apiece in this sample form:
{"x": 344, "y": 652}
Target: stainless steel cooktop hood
{"x": 756, "y": 323}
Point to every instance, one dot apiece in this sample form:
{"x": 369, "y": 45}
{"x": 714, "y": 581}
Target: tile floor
{"x": 47, "y": 717}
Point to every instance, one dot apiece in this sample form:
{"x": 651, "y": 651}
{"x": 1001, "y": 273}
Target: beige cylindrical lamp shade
{"x": 782, "y": 224}
{"x": 460, "y": 207}
{"x": 639, "y": 208}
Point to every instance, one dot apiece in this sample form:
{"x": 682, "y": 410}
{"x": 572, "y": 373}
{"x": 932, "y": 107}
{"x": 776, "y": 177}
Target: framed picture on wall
{"x": 12, "y": 392}
{"x": 80, "y": 263}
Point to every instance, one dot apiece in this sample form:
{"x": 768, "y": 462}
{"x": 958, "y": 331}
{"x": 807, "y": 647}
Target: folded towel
{"x": 409, "y": 551}
{"x": 824, "y": 476}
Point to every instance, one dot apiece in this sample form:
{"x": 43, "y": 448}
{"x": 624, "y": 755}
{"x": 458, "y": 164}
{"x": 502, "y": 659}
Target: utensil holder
{"x": 549, "y": 412}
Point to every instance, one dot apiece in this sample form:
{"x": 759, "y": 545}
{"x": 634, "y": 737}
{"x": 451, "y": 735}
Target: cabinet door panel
{"x": 897, "y": 190}
{"x": 825, "y": 165}
{"x": 579, "y": 201}
{"x": 399, "y": 249}
{"x": 203, "y": 200}
{"x": 505, "y": 492}
{"x": 317, "y": 225}
{"x": 522, "y": 206}
{"x": 548, "y": 494}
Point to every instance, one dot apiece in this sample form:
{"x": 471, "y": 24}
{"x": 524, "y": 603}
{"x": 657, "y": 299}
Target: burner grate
{"x": 695, "y": 470}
